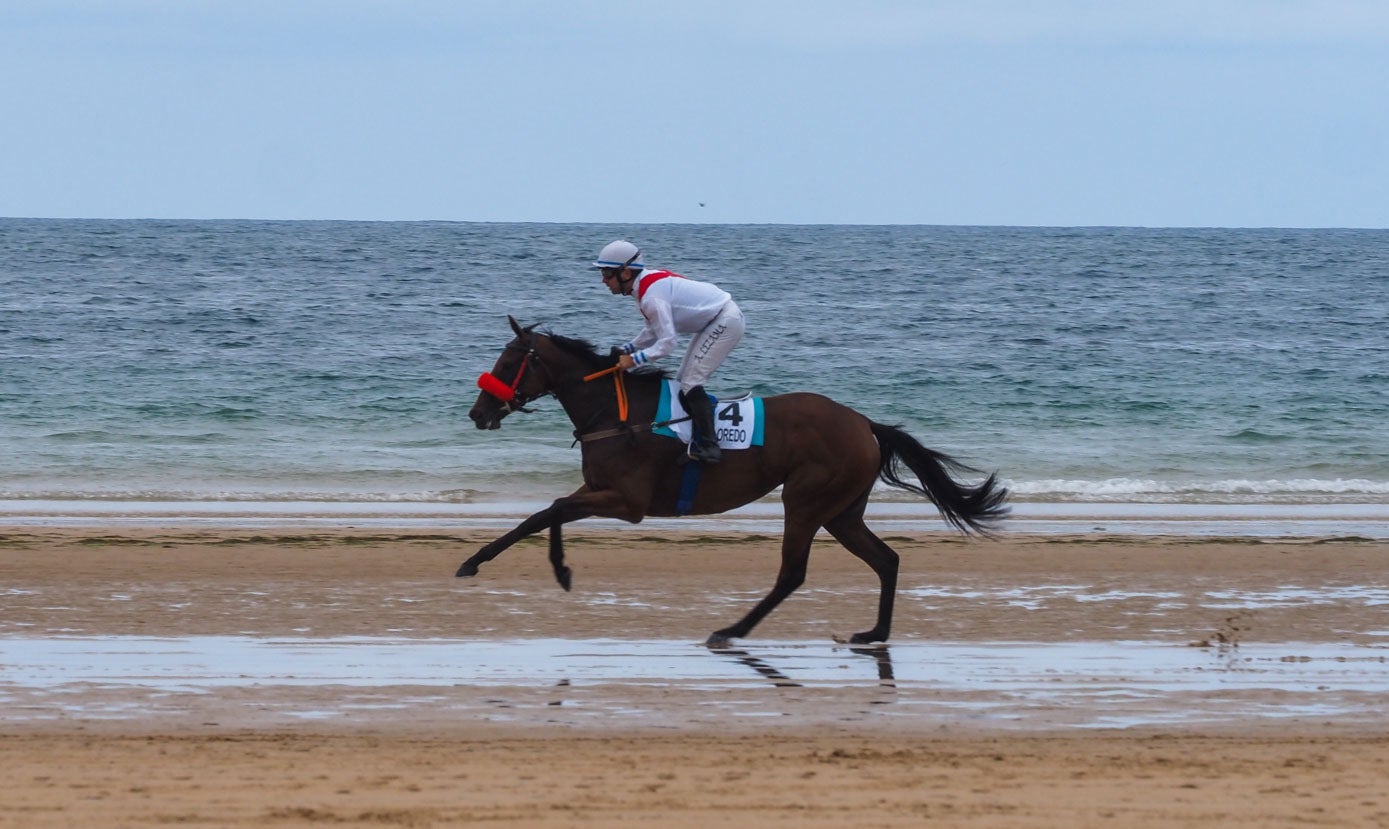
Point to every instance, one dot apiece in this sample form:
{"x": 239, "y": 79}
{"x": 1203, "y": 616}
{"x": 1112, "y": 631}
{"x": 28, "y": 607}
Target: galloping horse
{"x": 824, "y": 456}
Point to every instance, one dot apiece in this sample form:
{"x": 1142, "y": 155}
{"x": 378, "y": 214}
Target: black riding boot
{"x": 704, "y": 447}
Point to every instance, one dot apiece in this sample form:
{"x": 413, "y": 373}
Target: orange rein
{"x": 617, "y": 373}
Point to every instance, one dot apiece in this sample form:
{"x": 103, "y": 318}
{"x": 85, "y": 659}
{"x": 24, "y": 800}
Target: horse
{"x": 825, "y": 456}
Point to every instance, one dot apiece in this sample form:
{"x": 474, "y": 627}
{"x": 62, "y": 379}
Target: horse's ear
{"x": 516, "y": 326}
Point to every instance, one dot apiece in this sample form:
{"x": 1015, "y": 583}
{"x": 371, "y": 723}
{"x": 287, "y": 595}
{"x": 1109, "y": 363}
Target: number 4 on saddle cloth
{"x": 738, "y": 422}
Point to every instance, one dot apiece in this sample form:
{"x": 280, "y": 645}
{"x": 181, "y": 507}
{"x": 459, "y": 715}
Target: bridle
{"x": 509, "y": 393}
{"x": 510, "y": 397}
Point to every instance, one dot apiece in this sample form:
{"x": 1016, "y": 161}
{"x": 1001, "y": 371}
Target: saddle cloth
{"x": 738, "y": 422}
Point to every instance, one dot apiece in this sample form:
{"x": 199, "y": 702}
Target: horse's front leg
{"x": 582, "y": 503}
{"x": 530, "y": 526}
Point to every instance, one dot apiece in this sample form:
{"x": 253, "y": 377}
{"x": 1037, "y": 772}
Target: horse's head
{"x": 515, "y": 380}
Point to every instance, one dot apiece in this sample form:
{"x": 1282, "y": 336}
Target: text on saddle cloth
{"x": 738, "y": 422}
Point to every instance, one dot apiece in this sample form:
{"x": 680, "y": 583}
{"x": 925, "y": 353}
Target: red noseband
{"x": 490, "y": 384}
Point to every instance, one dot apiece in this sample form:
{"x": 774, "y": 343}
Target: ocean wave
{"x": 1257, "y": 437}
{"x": 1075, "y": 360}
{"x": 160, "y": 496}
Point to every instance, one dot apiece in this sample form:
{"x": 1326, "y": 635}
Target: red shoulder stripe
{"x": 651, "y": 279}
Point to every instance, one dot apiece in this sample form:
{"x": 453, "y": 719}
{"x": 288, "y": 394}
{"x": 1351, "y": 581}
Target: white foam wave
{"x": 1108, "y": 490}
{"x": 1130, "y": 489}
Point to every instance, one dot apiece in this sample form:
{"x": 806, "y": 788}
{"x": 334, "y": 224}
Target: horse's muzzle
{"x": 485, "y": 419}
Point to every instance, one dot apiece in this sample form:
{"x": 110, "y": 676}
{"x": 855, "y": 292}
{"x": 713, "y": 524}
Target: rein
{"x": 508, "y": 394}
{"x": 616, "y": 372}
{"x": 624, "y": 428}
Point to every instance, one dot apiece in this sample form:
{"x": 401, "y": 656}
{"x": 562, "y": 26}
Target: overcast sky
{"x": 1000, "y": 112}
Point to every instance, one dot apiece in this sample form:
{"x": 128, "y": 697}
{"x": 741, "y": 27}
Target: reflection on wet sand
{"x": 675, "y": 684}
{"x": 779, "y": 679}
{"x": 882, "y": 656}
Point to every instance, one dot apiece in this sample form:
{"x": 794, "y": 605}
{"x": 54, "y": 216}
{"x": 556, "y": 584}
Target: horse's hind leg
{"x": 848, "y": 529}
{"x": 795, "y": 553}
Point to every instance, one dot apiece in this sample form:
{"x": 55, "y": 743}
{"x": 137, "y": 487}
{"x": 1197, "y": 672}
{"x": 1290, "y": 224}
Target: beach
{"x": 293, "y": 676}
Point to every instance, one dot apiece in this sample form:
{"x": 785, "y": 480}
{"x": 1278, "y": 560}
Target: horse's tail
{"x": 976, "y": 508}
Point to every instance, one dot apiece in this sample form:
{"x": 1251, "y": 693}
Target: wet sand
{"x": 1279, "y": 643}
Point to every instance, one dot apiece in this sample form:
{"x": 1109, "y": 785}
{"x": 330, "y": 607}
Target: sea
{"x": 1208, "y": 381}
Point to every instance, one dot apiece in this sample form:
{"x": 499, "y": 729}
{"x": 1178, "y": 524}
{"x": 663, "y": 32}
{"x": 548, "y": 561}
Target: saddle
{"x": 738, "y": 421}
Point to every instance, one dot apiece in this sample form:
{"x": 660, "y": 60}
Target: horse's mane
{"x": 589, "y": 354}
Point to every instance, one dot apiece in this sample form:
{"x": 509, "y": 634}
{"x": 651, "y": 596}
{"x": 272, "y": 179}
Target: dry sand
{"x": 219, "y": 760}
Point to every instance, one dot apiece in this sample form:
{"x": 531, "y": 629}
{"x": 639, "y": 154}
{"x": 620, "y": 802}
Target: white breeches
{"x": 710, "y": 346}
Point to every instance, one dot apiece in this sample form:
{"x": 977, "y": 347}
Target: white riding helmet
{"x": 619, "y": 254}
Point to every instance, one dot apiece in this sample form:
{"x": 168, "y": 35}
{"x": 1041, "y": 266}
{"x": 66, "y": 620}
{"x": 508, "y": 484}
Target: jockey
{"x": 672, "y": 304}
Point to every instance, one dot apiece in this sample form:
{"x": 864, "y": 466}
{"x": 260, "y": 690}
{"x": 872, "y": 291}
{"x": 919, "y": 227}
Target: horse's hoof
{"x": 718, "y": 640}
{"x": 868, "y": 637}
{"x": 465, "y": 570}
{"x": 565, "y": 577}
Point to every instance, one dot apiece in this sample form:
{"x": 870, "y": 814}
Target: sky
{"x": 1175, "y": 113}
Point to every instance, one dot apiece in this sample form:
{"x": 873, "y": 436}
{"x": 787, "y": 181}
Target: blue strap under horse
{"x": 825, "y": 456}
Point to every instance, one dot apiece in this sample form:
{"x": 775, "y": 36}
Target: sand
{"x": 545, "y": 756}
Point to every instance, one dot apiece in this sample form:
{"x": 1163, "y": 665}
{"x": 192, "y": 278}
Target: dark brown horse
{"x": 823, "y": 455}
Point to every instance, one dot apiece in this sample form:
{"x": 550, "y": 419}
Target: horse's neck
{"x": 595, "y": 404}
